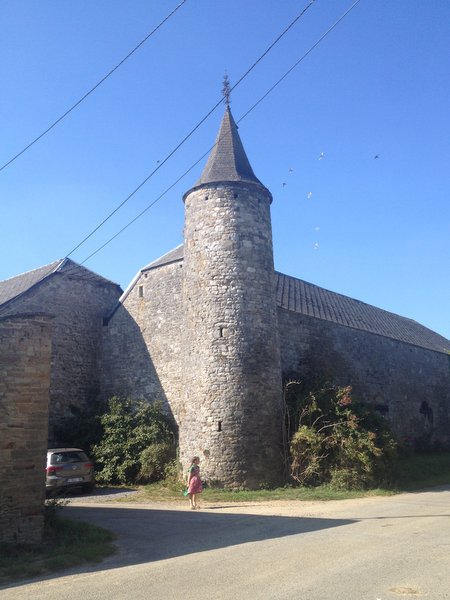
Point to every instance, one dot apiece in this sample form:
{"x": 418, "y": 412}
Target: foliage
{"x": 411, "y": 472}
{"x": 417, "y": 471}
{"x": 137, "y": 441}
{"x": 339, "y": 442}
{"x": 52, "y": 509}
{"x": 83, "y": 428}
{"x": 154, "y": 461}
{"x": 66, "y": 544}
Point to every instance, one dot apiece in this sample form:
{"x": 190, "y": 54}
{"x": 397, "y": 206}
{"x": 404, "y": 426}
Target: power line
{"x": 301, "y": 59}
{"x": 178, "y": 146}
{"x": 40, "y": 136}
{"x": 238, "y": 121}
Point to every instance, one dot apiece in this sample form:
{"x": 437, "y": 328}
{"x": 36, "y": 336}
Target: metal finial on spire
{"x": 226, "y": 89}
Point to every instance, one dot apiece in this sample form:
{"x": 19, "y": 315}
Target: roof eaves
{"x": 33, "y": 285}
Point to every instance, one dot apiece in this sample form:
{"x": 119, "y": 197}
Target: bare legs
{"x": 192, "y": 501}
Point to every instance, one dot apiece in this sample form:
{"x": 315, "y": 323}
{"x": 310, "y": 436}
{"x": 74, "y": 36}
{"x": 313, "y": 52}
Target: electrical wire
{"x": 329, "y": 30}
{"x": 40, "y": 136}
{"x": 76, "y": 265}
{"x": 300, "y": 59}
{"x": 191, "y": 132}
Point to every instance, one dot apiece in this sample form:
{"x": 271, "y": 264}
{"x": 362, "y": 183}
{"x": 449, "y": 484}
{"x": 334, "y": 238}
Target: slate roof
{"x": 311, "y": 300}
{"x": 227, "y": 161}
{"x": 172, "y": 256}
{"x": 20, "y": 284}
{"x": 10, "y": 288}
{"x": 308, "y": 299}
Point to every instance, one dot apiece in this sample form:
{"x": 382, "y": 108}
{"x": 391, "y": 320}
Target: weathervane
{"x": 226, "y": 89}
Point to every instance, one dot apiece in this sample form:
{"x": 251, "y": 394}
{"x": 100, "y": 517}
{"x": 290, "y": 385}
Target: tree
{"x": 339, "y": 441}
{"x": 137, "y": 441}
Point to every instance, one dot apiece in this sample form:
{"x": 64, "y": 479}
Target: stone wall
{"x": 25, "y": 351}
{"x": 78, "y": 304}
{"x": 142, "y": 340}
{"x": 406, "y": 383}
{"x": 232, "y": 376}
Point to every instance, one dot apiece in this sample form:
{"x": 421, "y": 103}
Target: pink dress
{"x": 195, "y": 484}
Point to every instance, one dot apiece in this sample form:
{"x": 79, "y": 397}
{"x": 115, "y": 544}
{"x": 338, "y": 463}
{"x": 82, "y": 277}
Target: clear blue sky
{"x": 375, "y": 229}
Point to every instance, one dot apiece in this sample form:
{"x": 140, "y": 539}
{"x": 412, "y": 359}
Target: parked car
{"x": 68, "y": 468}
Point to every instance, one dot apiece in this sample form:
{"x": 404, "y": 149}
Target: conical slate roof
{"x": 228, "y": 161}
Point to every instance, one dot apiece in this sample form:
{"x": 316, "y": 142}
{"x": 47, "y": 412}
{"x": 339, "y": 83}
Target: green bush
{"x": 340, "y": 442}
{"x": 306, "y": 457}
{"x": 137, "y": 440}
{"x": 154, "y": 461}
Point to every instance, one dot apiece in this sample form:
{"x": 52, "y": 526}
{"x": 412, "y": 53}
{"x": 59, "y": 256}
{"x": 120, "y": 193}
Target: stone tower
{"x": 232, "y": 415}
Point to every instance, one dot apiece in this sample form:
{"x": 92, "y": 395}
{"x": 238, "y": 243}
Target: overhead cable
{"x": 237, "y": 121}
{"x": 191, "y": 132}
{"x": 63, "y": 116}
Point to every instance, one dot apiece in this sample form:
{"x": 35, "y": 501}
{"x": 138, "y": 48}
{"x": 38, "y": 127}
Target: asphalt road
{"x": 365, "y": 549}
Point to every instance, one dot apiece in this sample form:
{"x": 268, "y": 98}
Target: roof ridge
{"x": 55, "y": 262}
{"x": 357, "y": 314}
{"x": 389, "y": 312}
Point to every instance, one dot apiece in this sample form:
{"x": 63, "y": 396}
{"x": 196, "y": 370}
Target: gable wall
{"x": 78, "y": 306}
{"x": 142, "y": 341}
{"x": 395, "y": 376}
{"x": 25, "y": 350}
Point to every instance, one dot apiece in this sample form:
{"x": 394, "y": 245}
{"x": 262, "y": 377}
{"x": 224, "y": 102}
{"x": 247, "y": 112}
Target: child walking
{"x": 194, "y": 483}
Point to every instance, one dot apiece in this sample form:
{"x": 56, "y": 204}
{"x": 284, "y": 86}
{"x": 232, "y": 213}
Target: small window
{"x": 219, "y": 425}
{"x": 141, "y": 291}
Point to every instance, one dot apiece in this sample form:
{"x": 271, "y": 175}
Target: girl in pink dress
{"x": 194, "y": 482}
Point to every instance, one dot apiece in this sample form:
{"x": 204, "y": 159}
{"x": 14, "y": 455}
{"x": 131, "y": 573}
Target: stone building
{"x": 25, "y": 350}
{"x": 78, "y": 300}
{"x": 212, "y": 330}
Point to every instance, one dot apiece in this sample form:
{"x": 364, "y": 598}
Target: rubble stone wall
{"x": 25, "y": 355}
{"x": 408, "y": 384}
{"x": 142, "y": 340}
{"x": 78, "y": 305}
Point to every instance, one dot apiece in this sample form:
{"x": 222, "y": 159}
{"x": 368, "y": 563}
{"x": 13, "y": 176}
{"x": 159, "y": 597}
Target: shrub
{"x": 306, "y": 457}
{"x": 136, "y": 442}
{"x": 52, "y": 515}
{"x": 339, "y": 442}
{"x": 154, "y": 461}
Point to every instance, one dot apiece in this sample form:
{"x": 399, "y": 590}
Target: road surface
{"x": 366, "y": 549}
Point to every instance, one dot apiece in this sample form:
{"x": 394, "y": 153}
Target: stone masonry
{"x": 408, "y": 384}
{"x": 142, "y": 339}
{"x": 232, "y": 377}
{"x": 212, "y": 330}
{"x": 78, "y": 300}
{"x": 25, "y": 353}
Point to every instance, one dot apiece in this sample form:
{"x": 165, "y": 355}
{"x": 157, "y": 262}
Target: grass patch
{"x": 66, "y": 544}
{"x": 410, "y": 473}
{"x": 157, "y": 492}
{"x": 421, "y": 471}
{"x": 70, "y": 543}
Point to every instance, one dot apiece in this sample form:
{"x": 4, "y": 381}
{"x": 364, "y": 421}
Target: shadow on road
{"x": 145, "y": 535}
{"x": 148, "y": 535}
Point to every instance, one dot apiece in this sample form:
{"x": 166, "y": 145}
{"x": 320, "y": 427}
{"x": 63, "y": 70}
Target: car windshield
{"x": 72, "y": 456}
